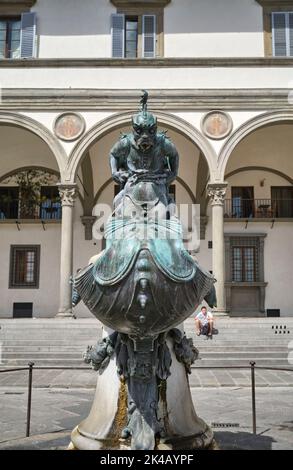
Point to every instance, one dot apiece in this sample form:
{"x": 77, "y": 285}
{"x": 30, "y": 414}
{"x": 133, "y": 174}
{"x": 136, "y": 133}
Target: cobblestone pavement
{"x": 227, "y": 410}
{"x": 198, "y": 378}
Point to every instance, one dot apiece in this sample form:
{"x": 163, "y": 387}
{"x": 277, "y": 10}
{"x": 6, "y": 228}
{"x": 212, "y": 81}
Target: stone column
{"x": 68, "y": 193}
{"x": 217, "y": 194}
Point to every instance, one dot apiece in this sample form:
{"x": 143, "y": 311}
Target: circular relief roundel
{"x": 217, "y": 125}
{"x": 69, "y": 126}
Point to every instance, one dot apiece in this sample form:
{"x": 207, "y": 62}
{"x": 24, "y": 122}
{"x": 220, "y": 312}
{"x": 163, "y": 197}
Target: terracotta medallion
{"x": 69, "y": 126}
{"x": 217, "y": 125}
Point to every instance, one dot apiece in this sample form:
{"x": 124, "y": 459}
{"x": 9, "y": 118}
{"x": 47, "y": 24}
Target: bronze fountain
{"x": 142, "y": 287}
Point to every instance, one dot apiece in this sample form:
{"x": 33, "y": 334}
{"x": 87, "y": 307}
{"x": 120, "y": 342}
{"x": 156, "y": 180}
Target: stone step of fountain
{"x": 62, "y": 342}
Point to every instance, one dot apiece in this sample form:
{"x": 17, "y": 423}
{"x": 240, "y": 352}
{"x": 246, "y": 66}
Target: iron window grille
{"x": 245, "y": 259}
{"x": 24, "y": 266}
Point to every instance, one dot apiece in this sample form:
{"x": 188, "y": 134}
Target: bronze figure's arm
{"x": 172, "y": 158}
{"x": 117, "y": 160}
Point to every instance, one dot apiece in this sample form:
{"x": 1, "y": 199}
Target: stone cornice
{"x": 140, "y": 3}
{"x": 150, "y": 63}
{"x": 122, "y": 100}
{"x": 12, "y": 3}
{"x": 12, "y": 7}
{"x": 275, "y": 3}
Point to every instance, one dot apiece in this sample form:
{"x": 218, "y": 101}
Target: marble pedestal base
{"x": 101, "y": 430}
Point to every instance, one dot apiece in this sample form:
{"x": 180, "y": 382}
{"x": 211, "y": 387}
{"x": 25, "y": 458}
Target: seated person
{"x": 204, "y": 322}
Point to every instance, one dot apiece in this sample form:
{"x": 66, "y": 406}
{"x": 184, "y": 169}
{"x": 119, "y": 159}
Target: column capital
{"x": 217, "y": 193}
{"x": 68, "y": 194}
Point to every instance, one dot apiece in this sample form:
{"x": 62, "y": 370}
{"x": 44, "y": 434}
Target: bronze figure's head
{"x": 144, "y": 127}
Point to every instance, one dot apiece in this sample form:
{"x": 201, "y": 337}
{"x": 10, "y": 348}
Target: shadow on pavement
{"x": 243, "y": 441}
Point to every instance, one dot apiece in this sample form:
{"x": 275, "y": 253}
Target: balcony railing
{"x": 16, "y": 209}
{"x": 258, "y": 208}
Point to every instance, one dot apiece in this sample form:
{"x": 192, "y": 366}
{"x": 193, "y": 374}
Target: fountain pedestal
{"x": 181, "y": 428}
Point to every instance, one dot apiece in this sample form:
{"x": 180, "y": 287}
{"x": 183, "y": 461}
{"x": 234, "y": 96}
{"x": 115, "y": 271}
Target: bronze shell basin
{"x": 143, "y": 286}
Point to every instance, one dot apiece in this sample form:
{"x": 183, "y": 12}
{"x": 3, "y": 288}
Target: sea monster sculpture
{"x": 141, "y": 287}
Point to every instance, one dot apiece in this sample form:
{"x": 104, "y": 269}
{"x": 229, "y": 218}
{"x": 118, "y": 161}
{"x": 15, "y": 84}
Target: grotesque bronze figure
{"x": 145, "y": 283}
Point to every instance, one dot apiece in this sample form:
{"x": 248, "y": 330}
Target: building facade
{"x": 220, "y": 79}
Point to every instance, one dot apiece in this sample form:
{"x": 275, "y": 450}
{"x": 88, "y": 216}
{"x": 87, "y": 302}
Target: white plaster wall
{"x": 269, "y": 146}
{"x": 150, "y": 78}
{"x": 208, "y": 28}
{"x": 46, "y": 298}
{"x": 205, "y": 28}
{"x": 70, "y": 28}
{"x": 20, "y": 148}
{"x": 278, "y": 268}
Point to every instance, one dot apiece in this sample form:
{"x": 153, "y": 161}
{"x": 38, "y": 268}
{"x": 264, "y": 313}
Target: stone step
{"x": 278, "y": 339}
{"x": 204, "y": 354}
{"x": 62, "y": 342}
{"x": 201, "y": 347}
{"x": 200, "y": 363}
{"x": 51, "y": 334}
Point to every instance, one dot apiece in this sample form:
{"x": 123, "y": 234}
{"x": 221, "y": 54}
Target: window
{"x": 282, "y": 29}
{"x": 244, "y": 259}
{"x": 149, "y": 15}
{"x": 134, "y": 36}
{"x": 242, "y": 201}
{"x": 9, "y": 203}
{"x": 10, "y": 38}
{"x": 277, "y": 23}
{"x": 282, "y": 201}
{"x": 24, "y": 266}
{"x": 243, "y": 264}
{"x": 50, "y": 206}
{"x": 131, "y": 36}
{"x": 18, "y": 36}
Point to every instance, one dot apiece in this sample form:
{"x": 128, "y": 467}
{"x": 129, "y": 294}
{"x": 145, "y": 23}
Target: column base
{"x": 68, "y": 315}
{"x": 220, "y": 313}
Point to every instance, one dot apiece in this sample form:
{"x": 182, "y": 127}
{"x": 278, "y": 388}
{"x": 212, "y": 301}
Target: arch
{"x": 36, "y": 128}
{"x": 118, "y": 120}
{"x": 178, "y": 179}
{"x": 33, "y": 167}
{"x": 24, "y": 168}
{"x": 275, "y": 117}
{"x": 260, "y": 168}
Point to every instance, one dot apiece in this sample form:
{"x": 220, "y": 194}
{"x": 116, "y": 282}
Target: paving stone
{"x": 57, "y": 411}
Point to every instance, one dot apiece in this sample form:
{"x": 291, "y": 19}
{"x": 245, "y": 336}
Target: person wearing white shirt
{"x": 204, "y": 322}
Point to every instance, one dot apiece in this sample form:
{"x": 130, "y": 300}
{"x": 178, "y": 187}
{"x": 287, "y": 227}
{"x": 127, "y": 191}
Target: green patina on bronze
{"x": 144, "y": 283}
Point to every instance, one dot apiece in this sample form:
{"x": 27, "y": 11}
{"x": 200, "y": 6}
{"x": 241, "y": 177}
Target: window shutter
{"x": 28, "y": 35}
{"x": 118, "y": 35}
{"x": 149, "y": 36}
{"x": 291, "y": 33}
{"x": 279, "y": 34}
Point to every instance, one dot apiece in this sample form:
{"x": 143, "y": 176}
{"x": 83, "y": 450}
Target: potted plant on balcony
{"x": 30, "y": 182}
{"x": 50, "y": 206}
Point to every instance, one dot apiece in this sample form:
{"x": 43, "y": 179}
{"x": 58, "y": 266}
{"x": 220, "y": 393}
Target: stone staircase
{"x": 239, "y": 341}
{"x": 61, "y": 342}
{"x": 47, "y": 342}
